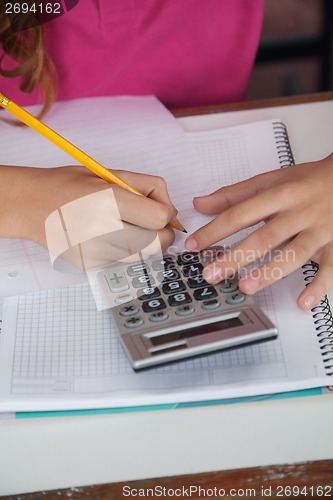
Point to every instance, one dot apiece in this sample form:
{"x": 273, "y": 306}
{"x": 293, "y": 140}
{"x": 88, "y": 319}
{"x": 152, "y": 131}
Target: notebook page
{"x": 134, "y": 133}
{"x": 62, "y": 353}
{"x": 57, "y": 352}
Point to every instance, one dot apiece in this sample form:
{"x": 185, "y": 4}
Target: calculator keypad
{"x": 165, "y": 310}
{"x": 169, "y": 286}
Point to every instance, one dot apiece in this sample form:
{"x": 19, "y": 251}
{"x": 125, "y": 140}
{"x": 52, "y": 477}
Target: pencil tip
{"x": 177, "y": 225}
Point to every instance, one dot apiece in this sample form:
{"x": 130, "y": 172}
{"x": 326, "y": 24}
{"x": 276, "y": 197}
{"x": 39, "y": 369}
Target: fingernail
{"x": 250, "y": 285}
{"x": 308, "y": 301}
{"x": 212, "y": 274}
{"x": 191, "y": 244}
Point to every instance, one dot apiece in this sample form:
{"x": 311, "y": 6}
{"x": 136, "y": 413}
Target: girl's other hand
{"x": 297, "y": 205}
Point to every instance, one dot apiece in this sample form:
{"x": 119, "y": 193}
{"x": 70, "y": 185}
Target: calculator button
{"x": 173, "y": 287}
{"x": 145, "y": 279}
{"x": 158, "y": 316}
{"x": 148, "y": 293}
{"x": 208, "y": 292}
{"x": 153, "y": 305}
{"x": 133, "y": 322}
{"x": 116, "y": 281}
{"x": 228, "y": 286}
{"x": 129, "y": 310}
{"x": 123, "y": 298}
{"x": 187, "y": 258}
{"x": 179, "y": 299}
{"x": 197, "y": 281}
{"x": 162, "y": 264}
{"x": 235, "y": 298}
{"x": 212, "y": 253}
{"x": 137, "y": 269}
{"x": 168, "y": 275}
{"x": 184, "y": 310}
{"x": 192, "y": 270}
{"x": 210, "y": 305}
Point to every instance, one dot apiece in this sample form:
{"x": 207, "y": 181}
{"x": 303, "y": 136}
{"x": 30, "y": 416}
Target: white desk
{"x": 53, "y": 453}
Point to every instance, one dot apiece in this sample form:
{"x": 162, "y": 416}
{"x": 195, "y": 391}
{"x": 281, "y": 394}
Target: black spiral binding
{"x": 323, "y": 320}
{"x": 285, "y": 153}
{"x": 321, "y": 313}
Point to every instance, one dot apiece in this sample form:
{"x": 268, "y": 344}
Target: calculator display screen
{"x": 195, "y": 331}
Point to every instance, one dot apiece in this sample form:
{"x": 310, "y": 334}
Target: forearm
{"x": 15, "y": 201}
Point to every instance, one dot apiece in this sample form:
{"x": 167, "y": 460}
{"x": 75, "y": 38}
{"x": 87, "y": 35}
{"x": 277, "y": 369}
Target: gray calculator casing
{"x": 227, "y": 320}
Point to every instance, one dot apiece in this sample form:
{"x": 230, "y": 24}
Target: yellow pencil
{"x": 69, "y": 148}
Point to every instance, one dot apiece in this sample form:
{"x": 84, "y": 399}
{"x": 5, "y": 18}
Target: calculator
{"x": 165, "y": 311}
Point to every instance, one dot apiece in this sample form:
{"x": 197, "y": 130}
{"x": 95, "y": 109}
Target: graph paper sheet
{"x": 58, "y": 352}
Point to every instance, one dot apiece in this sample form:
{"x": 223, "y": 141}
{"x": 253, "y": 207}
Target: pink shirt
{"x": 186, "y": 52}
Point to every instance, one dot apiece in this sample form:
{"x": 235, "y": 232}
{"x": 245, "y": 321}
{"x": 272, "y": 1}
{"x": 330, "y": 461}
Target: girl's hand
{"x": 297, "y": 205}
{"x": 29, "y": 195}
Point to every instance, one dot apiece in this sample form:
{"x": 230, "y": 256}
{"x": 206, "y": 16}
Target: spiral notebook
{"x": 57, "y": 352}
